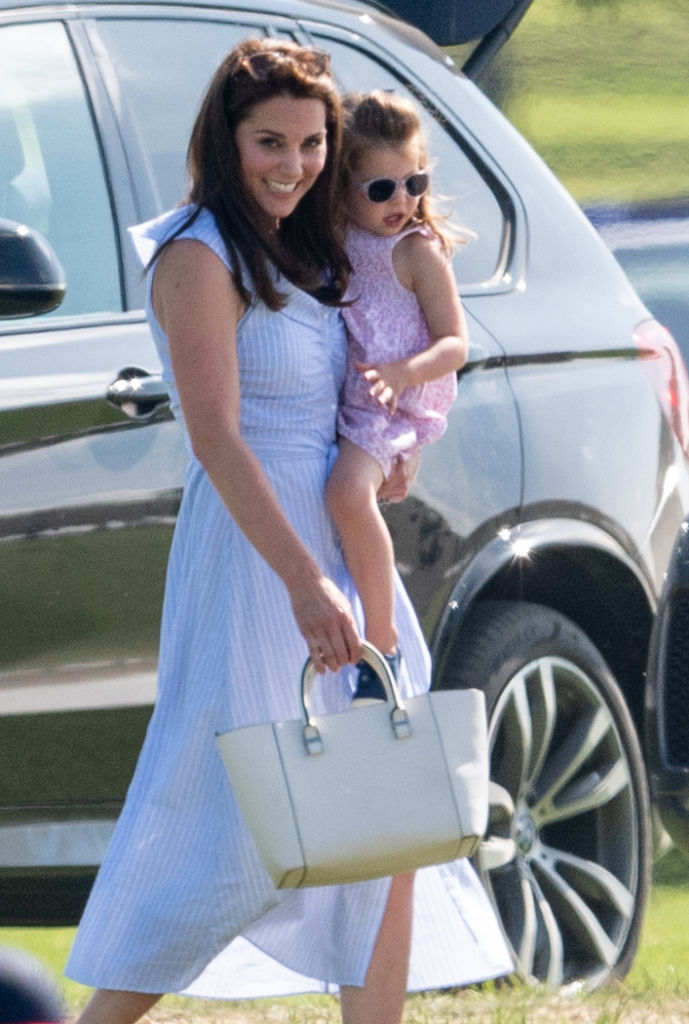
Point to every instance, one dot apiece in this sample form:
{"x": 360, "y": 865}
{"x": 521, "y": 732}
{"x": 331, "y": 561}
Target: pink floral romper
{"x": 385, "y": 323}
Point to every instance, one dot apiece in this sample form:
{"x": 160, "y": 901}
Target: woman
{"x": 243, "y": 294}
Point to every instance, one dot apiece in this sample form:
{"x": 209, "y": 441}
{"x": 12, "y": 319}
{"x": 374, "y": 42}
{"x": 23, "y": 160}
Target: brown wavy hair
{"x": 306, "y": 248}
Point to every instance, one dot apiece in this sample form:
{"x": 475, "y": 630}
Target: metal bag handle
{"x": 399, "y": 717}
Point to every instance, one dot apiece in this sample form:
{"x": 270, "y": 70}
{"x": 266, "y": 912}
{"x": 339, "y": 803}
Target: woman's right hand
{"x": 198, "y": 305}
{"x": 324, "y": 617}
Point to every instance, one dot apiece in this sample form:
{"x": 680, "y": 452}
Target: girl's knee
{"x": 346, "y": 493}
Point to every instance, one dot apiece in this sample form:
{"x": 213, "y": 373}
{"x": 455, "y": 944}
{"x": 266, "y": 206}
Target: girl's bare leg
{"x": 366, "y": 540}
{"x": 381, "y": 1000}
{"x": 110, "y": 1006}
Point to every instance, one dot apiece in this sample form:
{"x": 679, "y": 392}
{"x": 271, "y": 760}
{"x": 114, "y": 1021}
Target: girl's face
{"x": 282, "y": 150}
{"x": 398, "y": 163}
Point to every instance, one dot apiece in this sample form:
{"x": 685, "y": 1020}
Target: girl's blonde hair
{"x": 382, "y": 119}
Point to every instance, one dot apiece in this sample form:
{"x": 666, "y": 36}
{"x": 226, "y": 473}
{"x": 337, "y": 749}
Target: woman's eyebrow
{"x": 271, "y": 133}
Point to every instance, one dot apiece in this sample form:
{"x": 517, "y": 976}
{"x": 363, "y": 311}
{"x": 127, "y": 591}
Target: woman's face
{"x": 282, "y": 150}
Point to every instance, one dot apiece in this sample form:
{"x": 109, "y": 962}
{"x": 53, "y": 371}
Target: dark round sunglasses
{"x": 380, "y": 190}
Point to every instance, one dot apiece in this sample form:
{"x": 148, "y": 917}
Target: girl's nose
{"x": 399, "y": 197}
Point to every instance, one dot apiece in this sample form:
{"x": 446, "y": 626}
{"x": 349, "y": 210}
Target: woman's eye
{"x": 313, "y": 143}
{"x": 269, "y": 143}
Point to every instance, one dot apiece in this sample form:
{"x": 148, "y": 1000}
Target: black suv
{"x": 533, "y": 544}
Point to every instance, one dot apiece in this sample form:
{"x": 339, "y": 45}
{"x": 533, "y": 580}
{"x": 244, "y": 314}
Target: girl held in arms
{"x": 407, "y": 340}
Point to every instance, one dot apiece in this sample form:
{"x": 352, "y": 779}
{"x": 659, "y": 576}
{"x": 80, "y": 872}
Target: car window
{"x": 157, "y": 97}
{"x": 51, "y": 172}
{"x": 459, "y": 183}
{"x": 157, "y": 106}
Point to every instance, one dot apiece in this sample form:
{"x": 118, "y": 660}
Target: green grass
{"x": 662, "y": 963}
{"x": 657, "y": 983}
{"x": 601, "y": 90}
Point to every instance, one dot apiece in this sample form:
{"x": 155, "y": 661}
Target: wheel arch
{"x": 574, "y": 567}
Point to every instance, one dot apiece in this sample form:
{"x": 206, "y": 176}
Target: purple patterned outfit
{"x": 384, "y": 324}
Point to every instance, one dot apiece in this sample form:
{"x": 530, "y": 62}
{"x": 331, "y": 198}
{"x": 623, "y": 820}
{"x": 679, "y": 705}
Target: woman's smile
{"x": 282, "y": 150}
{"x": 286, "y": 188}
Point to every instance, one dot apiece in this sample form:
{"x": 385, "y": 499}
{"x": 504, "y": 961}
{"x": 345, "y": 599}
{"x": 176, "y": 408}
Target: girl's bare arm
{"x": 421, "y": 266}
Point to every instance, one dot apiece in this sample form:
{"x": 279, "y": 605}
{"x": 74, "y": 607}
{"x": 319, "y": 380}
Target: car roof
{"x": 426, "y": 26}
{"x": 297, "y": 9}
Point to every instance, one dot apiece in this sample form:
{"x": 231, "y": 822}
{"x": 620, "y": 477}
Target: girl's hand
{"x": 324, "y": 617}
{"x": 387, "y": 381}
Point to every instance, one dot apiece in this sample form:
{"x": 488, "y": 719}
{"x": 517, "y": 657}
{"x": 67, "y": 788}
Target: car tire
{"x": 567, "y": 853}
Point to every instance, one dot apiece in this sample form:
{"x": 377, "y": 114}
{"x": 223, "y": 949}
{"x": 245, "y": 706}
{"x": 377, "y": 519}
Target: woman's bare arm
{"x": 198, "y": 306}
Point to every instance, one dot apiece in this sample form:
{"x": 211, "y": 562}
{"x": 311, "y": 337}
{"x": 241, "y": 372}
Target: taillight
{"x": 664, "y": 363}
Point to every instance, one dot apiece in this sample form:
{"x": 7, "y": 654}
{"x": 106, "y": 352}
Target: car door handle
{"x": 138, "y": 393}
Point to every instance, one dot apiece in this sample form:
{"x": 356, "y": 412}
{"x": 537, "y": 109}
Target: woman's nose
{"x": 291, "y": 161}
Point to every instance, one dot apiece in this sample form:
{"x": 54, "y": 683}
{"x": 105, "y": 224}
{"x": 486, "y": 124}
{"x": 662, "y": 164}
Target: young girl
{"x": 407, "y": 339}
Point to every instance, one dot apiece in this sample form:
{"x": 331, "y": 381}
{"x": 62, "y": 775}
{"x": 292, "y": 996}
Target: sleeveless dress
{"x": 385, "y": 323}
{"x": 182, "y": 901}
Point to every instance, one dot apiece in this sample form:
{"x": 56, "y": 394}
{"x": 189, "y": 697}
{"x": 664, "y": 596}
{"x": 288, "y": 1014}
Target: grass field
{"x": 601, "y": 90}
{"x": 656, "y": 990}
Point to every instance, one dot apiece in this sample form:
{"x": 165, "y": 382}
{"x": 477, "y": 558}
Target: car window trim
{"x": 509, "y": 265}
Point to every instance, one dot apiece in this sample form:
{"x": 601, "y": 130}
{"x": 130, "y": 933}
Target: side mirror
{"x": 31, "y": 278}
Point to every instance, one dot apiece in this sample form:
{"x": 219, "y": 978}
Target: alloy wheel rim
{"x": 561, "y": 854}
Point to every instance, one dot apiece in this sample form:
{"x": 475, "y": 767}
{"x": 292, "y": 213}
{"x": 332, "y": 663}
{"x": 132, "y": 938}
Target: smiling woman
{"x": 559, "y": 444}
{"x": 244, "y": 285}
{"x": 282, "y": 150}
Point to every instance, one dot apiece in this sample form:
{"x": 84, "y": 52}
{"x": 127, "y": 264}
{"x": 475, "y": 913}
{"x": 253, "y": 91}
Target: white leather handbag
{"x": 365, "y": 793}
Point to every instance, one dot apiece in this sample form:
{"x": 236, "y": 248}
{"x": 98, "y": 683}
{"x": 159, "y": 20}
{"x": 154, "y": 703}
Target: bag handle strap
{"x": 399, "y": 717}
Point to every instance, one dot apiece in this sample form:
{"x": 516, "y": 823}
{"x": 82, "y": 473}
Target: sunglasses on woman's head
{"x": 380, "y": 190}
{"x": 310, "y": 60}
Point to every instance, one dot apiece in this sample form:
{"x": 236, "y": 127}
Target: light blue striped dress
{"x": 182, "y": 900}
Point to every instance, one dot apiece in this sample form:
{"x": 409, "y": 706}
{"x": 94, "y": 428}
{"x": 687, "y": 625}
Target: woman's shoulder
{"x": 188, "y": 222}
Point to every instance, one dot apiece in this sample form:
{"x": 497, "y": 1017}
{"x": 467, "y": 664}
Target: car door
{"x": 88, "y": 491}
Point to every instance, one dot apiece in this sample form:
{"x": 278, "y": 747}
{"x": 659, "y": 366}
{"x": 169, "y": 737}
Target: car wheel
{"x": 567, "y": 854}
